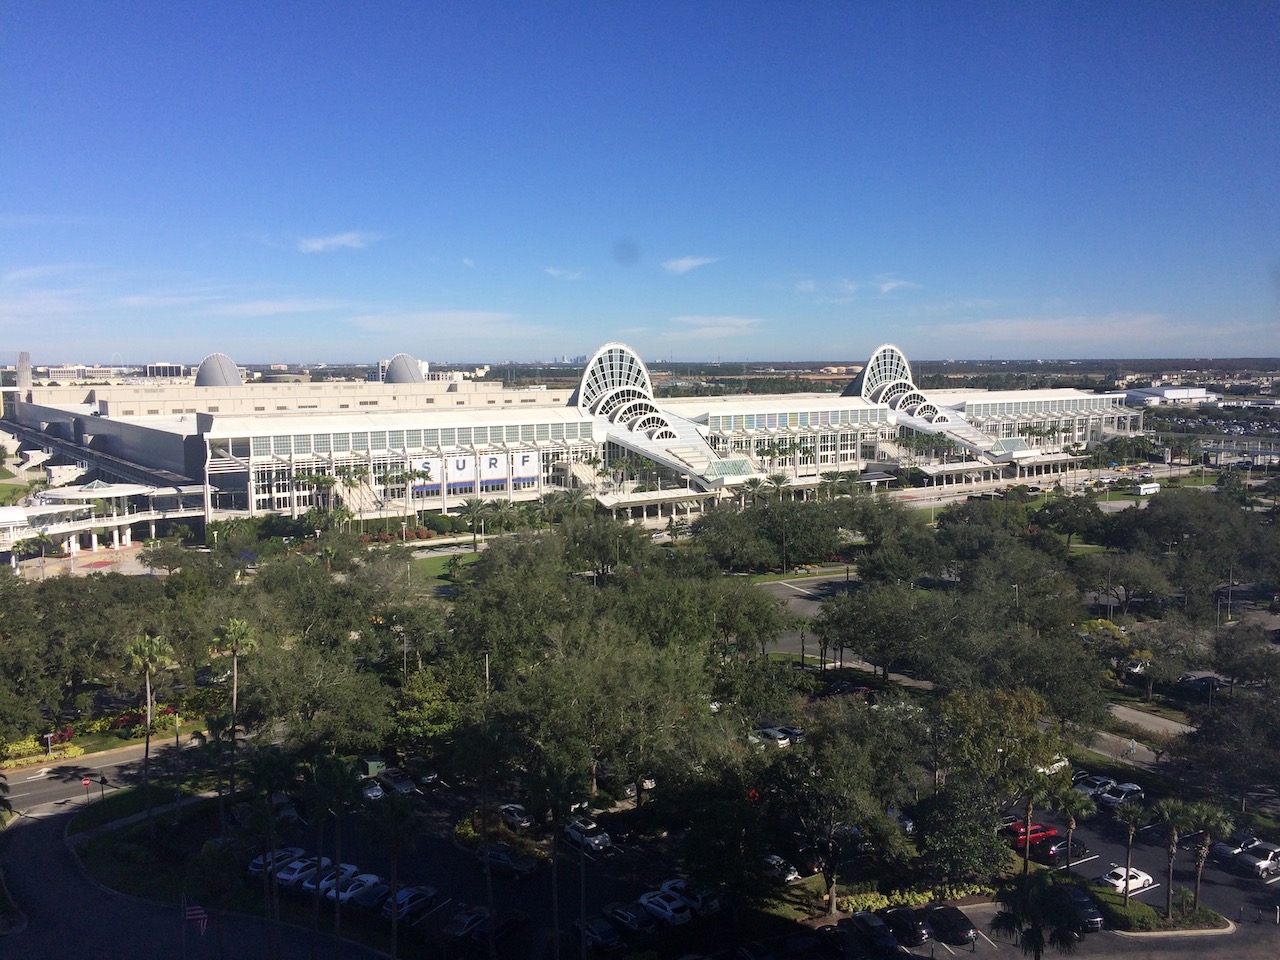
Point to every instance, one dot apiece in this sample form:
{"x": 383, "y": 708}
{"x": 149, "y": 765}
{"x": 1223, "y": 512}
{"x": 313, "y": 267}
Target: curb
{"x": 1159, "y": 934}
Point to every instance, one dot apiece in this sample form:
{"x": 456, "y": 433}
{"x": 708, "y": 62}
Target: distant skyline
{"x": 301, "y": 182}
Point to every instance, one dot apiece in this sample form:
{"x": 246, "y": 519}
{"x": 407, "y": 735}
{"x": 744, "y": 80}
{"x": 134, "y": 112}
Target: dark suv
{"x": 1085, "y": 915}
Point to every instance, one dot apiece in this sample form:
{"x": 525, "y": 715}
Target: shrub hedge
{"x": 1136, "y": 916}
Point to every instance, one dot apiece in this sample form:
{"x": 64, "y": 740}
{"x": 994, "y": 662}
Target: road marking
{"x": 988, "y": 939}
{"x": 807, "y": 593}
{"x": 1076, "y": 863}
{"x": 948, "y": 949}
{"x": 1273, "y": 879}
{"x": 1134, "y": 893}
{"x": 44, "y": 772}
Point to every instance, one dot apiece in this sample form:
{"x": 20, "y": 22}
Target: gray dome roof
{"x": 217, "y": 370}
{"x": 403, "y": 369}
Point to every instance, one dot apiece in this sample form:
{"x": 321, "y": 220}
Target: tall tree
{"x": 147, "y": 654}
{"x": 1133, "y": 815}
{"x": 1177, "y": 815}
{"x": 394, "y": 825}
{"x": 1075, "y": 806}
{"x": 1035, "y": 912}
{"x": 237, "y": 639}
{"x": 1211, "y": 821}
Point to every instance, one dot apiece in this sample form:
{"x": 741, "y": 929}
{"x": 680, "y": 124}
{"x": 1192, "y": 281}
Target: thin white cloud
{"x": 468, "y": 262}
{"x": 352, "y": 240}
{"x": 711, "y": 328}
{"x": 41, "y": 272}
{"x": 889, "y": 284}
{"x": 807, "y": 285}
{"x": 275, "y": 308}
{"x": 683, "y": 265}
{"x": 561, "y": 274}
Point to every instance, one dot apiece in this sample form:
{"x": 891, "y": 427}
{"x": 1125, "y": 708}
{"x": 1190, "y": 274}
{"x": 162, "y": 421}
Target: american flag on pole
{"x": 200, "y": 915}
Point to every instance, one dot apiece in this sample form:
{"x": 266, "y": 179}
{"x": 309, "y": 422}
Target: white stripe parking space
{"x": 1076, "y": 863}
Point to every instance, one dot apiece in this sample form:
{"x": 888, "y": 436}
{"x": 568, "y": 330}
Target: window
{"x": 431, "y": 438}
{"x": 360, "y": 440}
{"x": 302, "y": 443}
{"x": 395, "y": 440}
{"x": 448, "y": 436}
{"x": 282, "y": 446}
{"x": 341, "y": 442}
{"x": 378, "y": 440}
{"x": 464, "y": 436}
{"x": 320, "y": 443}
{"x": 544, "y": 431}
{"x": 526, "y": 432}
{"x": 513, "y": 433}
{"x": 261, "y": 446}
{"x": 412, "y": 439}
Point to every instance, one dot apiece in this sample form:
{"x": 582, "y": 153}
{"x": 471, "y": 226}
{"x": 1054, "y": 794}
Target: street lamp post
{"x": 404, "y": 531}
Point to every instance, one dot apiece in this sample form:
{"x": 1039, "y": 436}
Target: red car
{"x": 1017, "y": 833}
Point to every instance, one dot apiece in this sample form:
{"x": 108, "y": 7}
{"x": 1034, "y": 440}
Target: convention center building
{"x": 218, "y": 447}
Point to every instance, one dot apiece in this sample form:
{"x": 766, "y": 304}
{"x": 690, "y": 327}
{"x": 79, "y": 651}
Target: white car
{"x": 780, "y": 870}
{"x": 297, "y": 872}
{"x": 1261, "y": 860}
{"x": 1117, "y": 878}
{"x": 703, "y": 903}
{"x": 325, "y": 879}
{"x": 667, "y": 907}
{"x": 774, "y": 736}
{"x": 345, "y": 889}
{"x": 273, "y": 859}
{"x": 515, "y": 816}
{"x": 1119, "y": 793}
{"x": 1094, "y": 784}
{"x": 587, "y": 833}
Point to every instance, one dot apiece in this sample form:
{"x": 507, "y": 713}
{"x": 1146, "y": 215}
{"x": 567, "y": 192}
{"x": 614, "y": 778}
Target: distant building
{"x": 408, "y": 443}
{"x": 1169, "y": 395}
{"x": 163, "y": 371}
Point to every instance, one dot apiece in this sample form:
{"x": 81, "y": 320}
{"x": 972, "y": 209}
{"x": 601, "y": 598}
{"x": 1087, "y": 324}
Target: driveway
{"x": 71, "y": 918}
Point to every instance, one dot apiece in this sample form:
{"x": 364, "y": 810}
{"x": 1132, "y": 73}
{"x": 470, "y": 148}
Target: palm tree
{"x": 834, "y": 482}
{"x": 1133, "y": 815}
{"x": 394, "y": 824}
{"x": 474, "y": 509}
{"x": 1212, "y": 821}
{"x": 147, "y": 654}
{"x": 1040, "y": 790}
{"x": 1033, "y": 911}
{"x": 1177, "y": 816}
{"x": 574, "y": 502}
{"x": 38, "y": 541}
{"x": 1075, "y": 805}
{"x": 212, "y": 741}
{"x": 271, "y": 770}
{"x": 777, "y": 483}
{"x": 753, "y": 490}
{"x": 237, "y": 638}
{"x": 502, "y": 514}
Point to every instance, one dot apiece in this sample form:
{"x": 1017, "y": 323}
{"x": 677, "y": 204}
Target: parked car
{"x": 631, "y": 918}
{"x": 1085, "y": 915}
{"x": 464, "y": 920}
{"x": 1117, "y": 878}
{"x": 909, "y": 926}
{"x": 1260, "y": 860}
{"x": 951, "y": 925}
{"x": 423, "y": 773}
{"x": 395, "y": 780}
{"x": 371, "y": 896}
{"x": 794, "y": 734}
{"x": 780, "y": 870}
{"x": 1019, "y": 837}
{"x": 773, "y": 736}
{"x": 1120, "y": 793}
{"x": 498, "y": 926}
{"x": 666, "y": 907}
{"x": 586, "y": 833}
{"x": 273, "y": 860}
{"x": 1094, "y": 784}
{"x": 371, "y": 789}
{"x": 1053, "y": 851}
{"x": 515, "y": 816}
{"x": 874, "y": 933}
{"x": 295, "y": 872}
{"x": 601, "y": 935}
{"x": 344, "y": 890}
{"x": 324, "y": 880}
{"x": 408, "y": 902}
{"x": 703, "y": 903}
{"x": 503, "y": 859}
{"x": 1238, "y": 842}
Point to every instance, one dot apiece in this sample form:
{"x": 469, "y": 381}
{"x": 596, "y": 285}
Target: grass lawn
{"x": 433, "y": 570}
{"x": 1158, "y": 706}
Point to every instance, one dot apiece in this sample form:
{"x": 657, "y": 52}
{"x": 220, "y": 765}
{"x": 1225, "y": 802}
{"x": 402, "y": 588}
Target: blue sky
{"x": 295, "y": 182}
